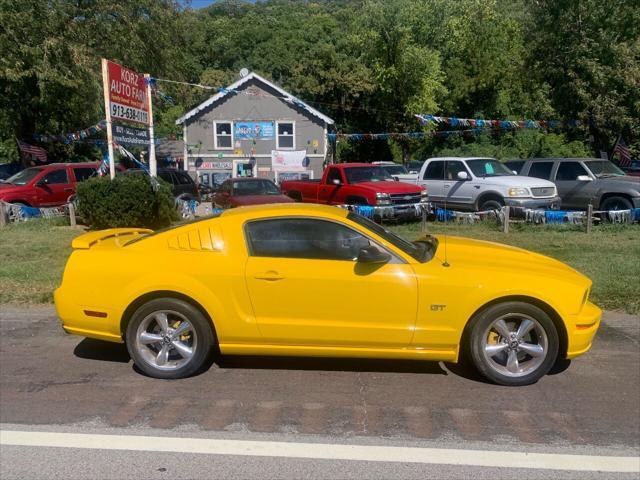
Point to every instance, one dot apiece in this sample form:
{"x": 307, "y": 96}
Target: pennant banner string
{"x": 426, "y": 119}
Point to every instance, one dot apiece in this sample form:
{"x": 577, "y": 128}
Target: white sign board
{"x": 289, "y": 161}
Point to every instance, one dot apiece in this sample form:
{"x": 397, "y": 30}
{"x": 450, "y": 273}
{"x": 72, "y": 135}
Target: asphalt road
{"x": 53, "y": 382}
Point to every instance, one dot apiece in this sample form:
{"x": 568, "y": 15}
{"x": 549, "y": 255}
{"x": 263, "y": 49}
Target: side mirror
{"x": 336, "y": 181}
{"x": 514, "y": 172}
{"x": 584, "y": 178}
{"x": 373, "y": 254}
{"x": 463, "y": 176}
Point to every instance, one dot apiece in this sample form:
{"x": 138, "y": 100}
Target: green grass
{"x": 33, "y": 254}
{"x": 32, "y": 257}
{"x": 609, "y": 255}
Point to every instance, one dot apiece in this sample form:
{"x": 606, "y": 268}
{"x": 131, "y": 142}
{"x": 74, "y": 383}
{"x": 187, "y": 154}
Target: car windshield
{"x": 255, "y": 187}
{"x": 603, "y": 168}
{"x": 24, "y": 177}
{"x": 367, "y": 174}
{"x": 488, "y": 167}
{"x": 395, "y": 169}
{"x": 422, "y": 250}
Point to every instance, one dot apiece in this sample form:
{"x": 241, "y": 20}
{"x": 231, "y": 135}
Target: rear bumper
{"x": 76, "y": 321}
{"x": 581, "y": 329}
{"x": 551, "y": 203}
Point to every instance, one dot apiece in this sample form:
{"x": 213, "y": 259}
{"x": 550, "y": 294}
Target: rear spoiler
{"x": 89, "y": 239}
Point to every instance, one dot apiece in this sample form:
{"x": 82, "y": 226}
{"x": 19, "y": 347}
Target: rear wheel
{"x": 513, "y": 343}
{"x": 169, "y": 338}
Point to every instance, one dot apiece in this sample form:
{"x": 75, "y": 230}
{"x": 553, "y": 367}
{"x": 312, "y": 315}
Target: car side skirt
{"x": 444, "y": 355}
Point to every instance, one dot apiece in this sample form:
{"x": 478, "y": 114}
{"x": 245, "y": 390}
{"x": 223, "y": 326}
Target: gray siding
{"x": 260, "y": 106}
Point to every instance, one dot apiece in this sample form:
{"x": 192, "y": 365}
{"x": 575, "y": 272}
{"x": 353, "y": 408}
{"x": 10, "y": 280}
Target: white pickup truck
{"x": 479, "y": 184}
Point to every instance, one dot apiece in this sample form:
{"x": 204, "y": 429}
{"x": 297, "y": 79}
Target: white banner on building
{"x": 288, "y": 161}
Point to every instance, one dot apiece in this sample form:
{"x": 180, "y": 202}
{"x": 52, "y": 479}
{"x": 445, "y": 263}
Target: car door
{"x": 573, "y": 192}
{"x": 433, "y": 179}
{"x": 307, "y": 289}
{"x": 54, "y": 188}
{"x": 327, "y": 192}
{"x": 458, "y": 192}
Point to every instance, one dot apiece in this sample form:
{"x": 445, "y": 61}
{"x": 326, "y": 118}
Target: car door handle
{"x": 269, "y": 276}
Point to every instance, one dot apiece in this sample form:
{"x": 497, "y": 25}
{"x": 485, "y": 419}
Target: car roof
{"x": 246, "y": 179}
{"x": 553, "y": 159}
{"x": 286, "y": 209}
{"x": 460, "y": 158}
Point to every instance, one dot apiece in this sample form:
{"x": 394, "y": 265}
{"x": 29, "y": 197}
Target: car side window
{"x": 303, "y": 238}
{"x": 167, "y": 177}
{"x": 541, "y": 170}
{"x": 82, "y": 173}
{"x": 183, "y": 178}
{"x": 334, "y": 174}
{"x": 515, "y": 165}
{"x": 434, "y": 171}
{"x": 453, "y": 168}
{"x": 56, "y": 177}
{"x": 570, "y": 171}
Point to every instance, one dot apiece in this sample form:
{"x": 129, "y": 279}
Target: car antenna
{"x": 446, "y": 213}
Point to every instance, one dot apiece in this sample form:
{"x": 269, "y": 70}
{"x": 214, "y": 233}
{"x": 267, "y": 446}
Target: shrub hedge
{"x": 125, "y": 201}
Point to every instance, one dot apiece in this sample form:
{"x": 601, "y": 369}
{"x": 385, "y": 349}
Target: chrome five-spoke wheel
{"x": 515, "y": 344}
{"x": 170, "y": 338}
{"x": 166, "y": 340}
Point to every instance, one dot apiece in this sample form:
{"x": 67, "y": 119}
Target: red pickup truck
{"x": 46, "y": 186}
{"x": 360, "y": 184}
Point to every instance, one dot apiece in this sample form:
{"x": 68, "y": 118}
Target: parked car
{"x": 633, "y": 169}
{"x": 584, "y": 181}
{"x": 47, "y": 185}
{"x": 313, "y": 280}
{"x": 236, "y": 192}
{"x": 414, "y": 166}
{"x": 182, "y": 185}
{"x": 359, "y": 184}
{"x": 483, "y": 184}
{"x": 398, "y": 171}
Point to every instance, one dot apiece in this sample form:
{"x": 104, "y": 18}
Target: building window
{"x": 223, "y": 135}
{"x": 286, "y": 136}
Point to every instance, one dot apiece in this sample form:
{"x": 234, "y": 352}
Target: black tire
{"x": 356, "y": 201}
{"x": 490, "y": 204}
{"x": 480, "y": 329}
{"x": 616, "y": 203}
{"x": 296, "y": 196}
{"x": 204, "y": 346}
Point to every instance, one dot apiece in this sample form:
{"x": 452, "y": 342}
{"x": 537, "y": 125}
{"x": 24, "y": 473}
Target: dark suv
{"x": 182, "y": 185}
{"x": 584, "y": 181}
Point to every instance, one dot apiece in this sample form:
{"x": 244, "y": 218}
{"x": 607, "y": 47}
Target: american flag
{"x": 623, "y": 153}
{"x": 39, "y": 153}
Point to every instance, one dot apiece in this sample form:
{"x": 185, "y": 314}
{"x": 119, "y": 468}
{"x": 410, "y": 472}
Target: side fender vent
{"x": 198, "y": 239}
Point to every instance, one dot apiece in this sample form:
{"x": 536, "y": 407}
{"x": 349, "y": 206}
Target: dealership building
{"x": 254, "y": 128}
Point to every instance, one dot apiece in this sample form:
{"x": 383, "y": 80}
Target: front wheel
{"x": 616, "y": 203}
{"x": 491, "y": 204}
{"x": 169, "y": 338}
{"x": 513, "y": 343}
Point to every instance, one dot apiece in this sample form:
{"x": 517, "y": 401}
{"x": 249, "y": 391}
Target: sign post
{"x": 153, "y": 166}
{"x": 107, "y": 111}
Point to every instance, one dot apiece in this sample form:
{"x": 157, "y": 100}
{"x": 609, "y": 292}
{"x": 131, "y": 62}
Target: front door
{"x": 54, "y": 188}
{"x": 307, "y": 289}
{"x": 573, "y": 192}
{"x": 458, "y": 192}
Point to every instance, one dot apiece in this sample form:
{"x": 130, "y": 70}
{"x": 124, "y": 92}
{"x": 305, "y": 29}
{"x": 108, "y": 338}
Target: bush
{"x": 125, "y": 201}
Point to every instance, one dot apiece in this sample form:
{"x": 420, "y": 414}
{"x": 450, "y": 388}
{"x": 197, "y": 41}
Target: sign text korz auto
{"x": 127, "y": 94}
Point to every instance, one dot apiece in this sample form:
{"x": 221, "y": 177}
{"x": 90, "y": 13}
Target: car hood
{"x": 10, "y": 188}
{"x": 259, "y": 199}
{"x": 517, "y": 181}
{"x": 622, "y": 181}
{"x": 490, "y": 256}
{"x": 390, "y": 187}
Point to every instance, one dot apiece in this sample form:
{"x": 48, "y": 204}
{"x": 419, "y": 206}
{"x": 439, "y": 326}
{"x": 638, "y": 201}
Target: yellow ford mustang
{"x": 310, "y": 280}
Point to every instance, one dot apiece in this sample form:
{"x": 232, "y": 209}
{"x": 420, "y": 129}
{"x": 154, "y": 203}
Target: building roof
{"x": 287, "y": 97}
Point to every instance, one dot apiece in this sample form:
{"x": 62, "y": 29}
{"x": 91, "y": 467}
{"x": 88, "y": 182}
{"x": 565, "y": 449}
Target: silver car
{"x": 584, "y": 181}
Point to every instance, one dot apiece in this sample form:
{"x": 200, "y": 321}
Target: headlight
{"x": 519, "y": 192}
{"x": 383, "y": 198}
